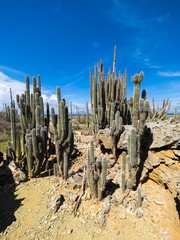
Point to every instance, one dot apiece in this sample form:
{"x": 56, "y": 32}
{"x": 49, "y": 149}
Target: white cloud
{"x": 18, "y": 88}
{"x": 169, "y": 74}
{"x": 5, "y": 84}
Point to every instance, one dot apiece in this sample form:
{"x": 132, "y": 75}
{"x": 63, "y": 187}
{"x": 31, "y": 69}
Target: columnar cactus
{"x": 87, "y": 115}
{"x": 144, "y": 94}
{"x": 34, "y": 128}
{"x": 123, "y": 181}
{"x": 96, "y": 173}
{"x": 9, "y": 153}
{"x": 116, "y": 129}
{"x": 175, "y": 113}
{"x": 71, "y": 111}
{"x": 63, "y": 136}
{"x": 144, "y": 109}
{"x": 123, "y": 165}
{"x": 137, "y": 79}
{"x": 36, "y": 146}
{"x": 104, "y": 92}
{"x": 27, "y": 104}
{"x": 78, "y": 116}
{"x": 160, "y": 114}
{"x": 132, "y": 152}
{"x": 13, "y": 129}
{"x": 139, "y": 197}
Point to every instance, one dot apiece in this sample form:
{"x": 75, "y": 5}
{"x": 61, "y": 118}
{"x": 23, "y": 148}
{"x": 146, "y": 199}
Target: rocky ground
{"x": 42, "y": 208}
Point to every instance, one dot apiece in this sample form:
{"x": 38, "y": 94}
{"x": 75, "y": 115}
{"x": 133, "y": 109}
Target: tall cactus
{"x": 116, "y": 129}
{"x": 107, "y": 90}
{"x": 132, "y": 152}
{"x": 175, "y": 113}
{"x": 36, "y": 146}
{"x": 160, "y": 114}
{"x": 34, "y": 127}
{"x": 144, "y": 109}
{"x": 63, "y": 135}
{"x": 96, "y": 173}
{"x": 87, "y": 115}
{"x": 27, "y": 104}
{"x": 13, "y": 129}
{"x": 137, "y": 79}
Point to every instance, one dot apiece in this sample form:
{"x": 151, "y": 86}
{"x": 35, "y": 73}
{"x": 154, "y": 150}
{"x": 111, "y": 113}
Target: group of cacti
{"x": 107, "y": 90}
{"x": 63, "y": 135}
{"x": 96, "y": 173}
{"x": 110, "y": 108}
{"x": 35, "y": 128}
{"x": 82, "y": 116}
{"x": 160, "y": 113}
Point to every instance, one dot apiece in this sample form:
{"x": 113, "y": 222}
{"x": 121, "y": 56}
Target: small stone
{"x": 69, "y": 231}
{"x": 158, "y": 202}
{"x": 139, "y": 213}
{"x": 54, "y": 218}
{"x": 102, "y": 219}
{"x": 87, "y": 195}
{"x": 56, "y": 201}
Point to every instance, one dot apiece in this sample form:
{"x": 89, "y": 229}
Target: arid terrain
{"x": 30, "y": 210}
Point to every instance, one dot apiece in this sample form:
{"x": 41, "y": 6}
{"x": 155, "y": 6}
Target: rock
{"x": 69, "y": 231}
{"x": 157, "y": 135}
{"x": 87, "y": 195}
{"x": 107, "y": 204}
{"x": 104, "y": 138}
{"x": 53, "y": 218}
{"x": 156, "y": 169}
{"x": 158, "y": 202}
{"x": 18, "y": 175}
{"x": 177, "y": 153}
{"x": 56, "y": 201}
{"x": 139, "y": 213}
{"x": 102, "y": 219}
{"x": 75, "y": 180}
{"x": 72, "y": 196}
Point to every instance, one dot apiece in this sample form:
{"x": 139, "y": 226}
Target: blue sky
{"x": 61, "y": 40}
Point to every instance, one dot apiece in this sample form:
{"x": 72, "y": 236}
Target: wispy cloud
{"x": 71, "y": 83}
{"x": 131, "y": 15}
{"x": 169, "y": 74}
{"x": 69, "y": 95}
{"x": 144, "y": 60}
{"x": 11, "y": 70}
{"x": 19, "y": 87}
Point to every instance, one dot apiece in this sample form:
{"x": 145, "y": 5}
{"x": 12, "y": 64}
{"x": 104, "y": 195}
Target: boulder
{"x": 56, "y": 201}
{"x": 157, "y": 168}
{"x": 162, "y": 134}
{"x": 18, "y": 175}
